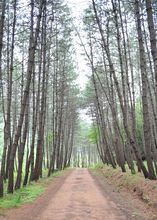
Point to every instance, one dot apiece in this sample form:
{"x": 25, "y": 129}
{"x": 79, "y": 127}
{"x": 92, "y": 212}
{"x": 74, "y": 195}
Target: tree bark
{"x": 146, "y": 125}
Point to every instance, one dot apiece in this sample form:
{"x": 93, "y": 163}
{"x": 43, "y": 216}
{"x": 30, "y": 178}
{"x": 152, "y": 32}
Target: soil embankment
{"x": 140, "y": 191}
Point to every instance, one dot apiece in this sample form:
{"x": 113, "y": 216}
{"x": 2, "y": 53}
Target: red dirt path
{"x": 76, "y": 195}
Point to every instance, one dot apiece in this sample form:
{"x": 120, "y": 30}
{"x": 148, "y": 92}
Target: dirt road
{"x": 74, "y": 196}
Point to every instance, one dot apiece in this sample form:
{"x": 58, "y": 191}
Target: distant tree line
{"x": 85, "y": 152}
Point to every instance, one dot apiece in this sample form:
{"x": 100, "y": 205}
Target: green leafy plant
{"x": 94, "y": 136}
{"x": 146, "y": 198}
{"x": 134, "y": 214}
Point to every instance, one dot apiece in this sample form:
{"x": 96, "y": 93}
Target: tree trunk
{"x": 22, "y": 147}
{"x": 152, "y": 38}
{"x": 146, "y": 126}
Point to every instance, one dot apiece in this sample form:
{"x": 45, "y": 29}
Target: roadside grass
{"x": 108, "y": 167}
{"x": 109, "y": 172}
{"x": 28, "y": 193}
{"x": 21, "y": 196}
{"x": 96, "y": 166}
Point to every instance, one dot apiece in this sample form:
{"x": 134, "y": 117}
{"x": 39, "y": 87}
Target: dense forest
{"x": 40, "y": 98}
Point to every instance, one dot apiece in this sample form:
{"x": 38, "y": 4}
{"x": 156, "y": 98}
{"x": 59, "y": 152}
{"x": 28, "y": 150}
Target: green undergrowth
{"x": 28, "y": 193}
{"x": 108, "y": 171}
{"x": 96, "y": 167}
{"x": 21, "y": 196}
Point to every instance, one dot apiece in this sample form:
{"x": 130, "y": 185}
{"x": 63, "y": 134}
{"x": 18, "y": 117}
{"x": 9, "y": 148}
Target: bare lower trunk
{"x": 22, "y": 147}
{"x": 146, "y": 126}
